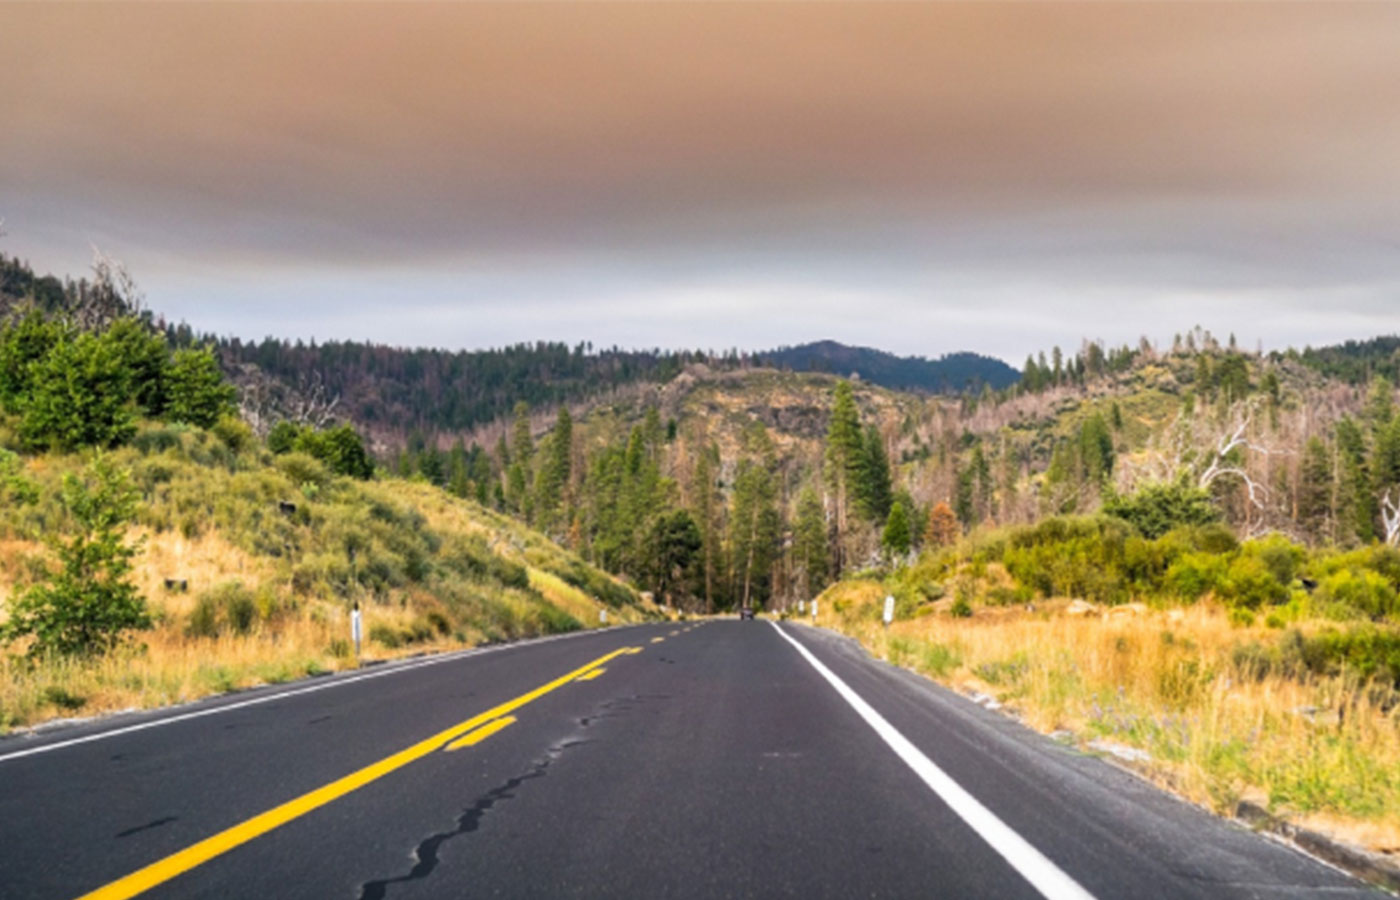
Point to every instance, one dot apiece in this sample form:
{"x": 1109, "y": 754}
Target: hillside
{"x": 250, "y": 562}
{"x": 1268, "y": 445}
{"x": 951, "y": 373}
{"x": 154, "y": 549}
{"x": 394, "y": 392}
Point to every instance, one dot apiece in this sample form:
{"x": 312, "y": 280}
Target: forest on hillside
{"x": 761, "y": 487}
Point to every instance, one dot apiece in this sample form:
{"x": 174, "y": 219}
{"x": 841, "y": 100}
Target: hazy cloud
{"x": 923, "y": 177}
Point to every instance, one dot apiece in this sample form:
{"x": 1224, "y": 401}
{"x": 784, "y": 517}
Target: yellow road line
{"x": 472, "y": 738}
{"x": 177, "y": 863}
{"x": 657, "y": 640}
{"x": 589, "y": 676}
{"x": 674, "y": 633}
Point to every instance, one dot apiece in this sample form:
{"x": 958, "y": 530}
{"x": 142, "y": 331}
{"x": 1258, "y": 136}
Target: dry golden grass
{"x": 292, "y": 637}
{"x": 1319, "y": 751}
{"x": 203, "y": 562}
{"x": 165, "y": 665}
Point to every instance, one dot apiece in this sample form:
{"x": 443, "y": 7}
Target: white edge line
{"x": 1032, "y": 865}
{"x": 280, "y": 695}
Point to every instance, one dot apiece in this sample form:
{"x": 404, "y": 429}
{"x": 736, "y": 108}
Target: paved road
{"x": 723, "y": 759}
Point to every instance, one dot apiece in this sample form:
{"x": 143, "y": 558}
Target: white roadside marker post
{"x": 355, "y": 628}
{"x": 603, "y": 616}
{"x": 801, "y": 606}
{"x": 889, "y": 609}
{"x": 814, "y": 610}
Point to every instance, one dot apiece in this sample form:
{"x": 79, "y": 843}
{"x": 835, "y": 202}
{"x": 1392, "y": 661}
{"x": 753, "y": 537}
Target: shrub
{"x": 1367, "y": 652}
{"x": 153, "y": 439}
{"x": 1155, "y": 509}
{"x": 230, "y": 605}
{"x": 88, "y": 604}
{"x": 1195, "y": 574}
{"x": 1249, "y": 584}
{"x": 79, "y": 396}
{"x": 385, "y": 636}
{"x": 283, "y": 436}
{"x": 1361, "y": 589}
{"x": 303, "y": 469}
{"x": 196, "y": 392}
{"x": 24, "y": 342}
{"x": 340, "y": 448}
{"x": 1282, "y": 557}
{"x": 236, "y": 435}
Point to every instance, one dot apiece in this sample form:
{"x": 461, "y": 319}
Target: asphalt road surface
{"x": 716, "y": 759}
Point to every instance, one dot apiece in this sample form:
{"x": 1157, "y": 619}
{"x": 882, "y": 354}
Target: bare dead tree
{"x": 256, "y": 405}
{"x": 1221, "y": 464}
{"x": 113, "y": 294}
{"x": 1390, "y": 515}
{"x": 313, "y": 404}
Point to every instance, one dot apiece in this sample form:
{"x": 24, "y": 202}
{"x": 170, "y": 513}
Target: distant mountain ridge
{"x": 946, "y": 374}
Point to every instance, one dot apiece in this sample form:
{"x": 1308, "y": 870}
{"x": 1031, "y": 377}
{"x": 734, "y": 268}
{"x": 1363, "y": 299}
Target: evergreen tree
{"x": 844, "y": 459}
{"x": 708, "y": 506}
{"x": 1096, "y": 449}
{"x": 522, "y": 446}
{"x": 147, "y": 358}
{"x": 673, "y": 552}
{"x": 896, "y": 537}
{"x": 982, "y": 484}
{"x": 1380, "y": 402}
{"x": 755, "y": 525}
{"x": 810, "y": 550}
{"x": 1356, "y": 502}
{"x": 556, "y": 466}
{"x": 1315, "y": 490}
{"x": 90, "y": 603}
{"x": 873, "y": 485}
{"x": 195, "y": 390}
{"x": 23, "y": 342}
{"x": 79, "y": 396}
{"x": 964, "y": 501}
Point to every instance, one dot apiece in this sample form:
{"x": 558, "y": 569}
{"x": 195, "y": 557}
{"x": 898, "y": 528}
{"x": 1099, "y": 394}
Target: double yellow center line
{"x": 177, "y": 863}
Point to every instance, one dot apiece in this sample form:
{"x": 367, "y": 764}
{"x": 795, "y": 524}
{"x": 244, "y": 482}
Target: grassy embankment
{"x": 269, "y": 589}
{"x": 1289, "y": 701}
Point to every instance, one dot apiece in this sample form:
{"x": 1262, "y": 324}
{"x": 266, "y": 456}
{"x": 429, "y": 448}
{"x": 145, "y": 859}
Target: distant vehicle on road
{"x": 746, "y": 612}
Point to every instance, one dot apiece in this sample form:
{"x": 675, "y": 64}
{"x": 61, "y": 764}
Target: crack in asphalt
{"x": 425, "y": 855}
{"x": 147, "y": 827}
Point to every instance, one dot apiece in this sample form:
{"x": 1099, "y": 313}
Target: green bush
{"x": 196, "y": 391}
{"x": 151, "y": 439}
{"x": 1367, "y": 652}
{"x": 303, "y": 469}
{"x": 229, "y": 605}
{"x": 80, "y": 395}
{"x": 1249, "y": 583}
{"x": 1195, "y": 574}
{"x": 1071, "y": 556}
{"x": 89, "y": 604}
{"x": 385, "y": 636}
{"x": 1156, "y": 509}
{"x": 234, "y": 432}
{"x": 1364, "y": 590}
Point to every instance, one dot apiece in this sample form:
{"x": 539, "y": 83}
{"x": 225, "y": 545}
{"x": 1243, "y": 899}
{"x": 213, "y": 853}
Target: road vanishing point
{"x": 693, "y": 759}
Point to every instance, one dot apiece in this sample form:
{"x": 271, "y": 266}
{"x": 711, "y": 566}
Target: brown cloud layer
{"x": 964, "y": 151}
{"x": 493, "y": 126}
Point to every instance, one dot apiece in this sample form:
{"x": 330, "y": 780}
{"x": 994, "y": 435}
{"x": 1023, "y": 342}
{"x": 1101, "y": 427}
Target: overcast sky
{"x": 924, "y": 178}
